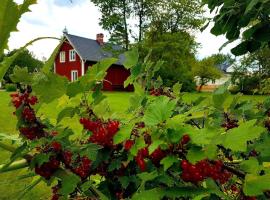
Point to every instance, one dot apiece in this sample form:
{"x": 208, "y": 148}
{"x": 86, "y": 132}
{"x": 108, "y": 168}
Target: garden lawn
{"x": 11, "y": 187}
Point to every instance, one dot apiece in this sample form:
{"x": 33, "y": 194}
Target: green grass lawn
{"x": 10, "y": 187}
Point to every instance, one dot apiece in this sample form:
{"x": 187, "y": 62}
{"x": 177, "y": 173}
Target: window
{"x": 74, "y": 75}
{"x": 72, "y": 55}
{"x": 62, "y": 57}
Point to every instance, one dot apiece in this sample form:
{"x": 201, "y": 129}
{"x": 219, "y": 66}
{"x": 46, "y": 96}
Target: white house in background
{"x": 227, "y": 70}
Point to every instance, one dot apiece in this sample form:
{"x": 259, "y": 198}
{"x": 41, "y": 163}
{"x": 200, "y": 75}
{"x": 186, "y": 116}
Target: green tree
{"x": 251, "y": 18}
{"x": 206, "y": 70}
{"x": 177, "y": 51}
{"x": 175, "y": 16}
{"x": 114, "y": 17}
{"x": 254, "y": 68}
{"x": 25, "y": 59}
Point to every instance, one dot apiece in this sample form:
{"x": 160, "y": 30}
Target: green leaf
{"x": 48, "y": 66}
{"x": 8, "y": 21}
{"x": 236, "y": 139}
{"x": 168, "y": 161}
{"x": 153, "y": 194}
{"x": 74, "y": 88}
{"x": 155, "y": 144}
{"x": 66, "y": 112}
{"x": 35, "y": 181}
{"x": 159, "y": 110}
{"x": 123, "y": 134}
{"x": 220, "y": 95}
{"x": 262, "y": 34}
{"x": 131, "y": 58}
{"x": 90, "y": 150}
{"x": 250, "y": 166}
{"x": 115, "y": 164}
{"x": 98, "y": 71}
{"x": 50, "y": 87}
{"x": 21, "y": 75}
{"x": 255, "y": 185}
{"x": 69, "y": 182}
{"x": 177, "y": 89}
{"x": 196, "y": 154}
{"x": 139, "y": 144}
{"x": 40, "y": 158}
{"x": 176, "y": 192}
{"x": 5, "y": 64}
{"x": 240, "y": 49}
{"x": 146, "y": 176}
{"x": 98, "y": 95}
{"x": 203, "y": 136}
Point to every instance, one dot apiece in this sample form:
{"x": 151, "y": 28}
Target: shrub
{"x": 234, "y": 89}
{"x": 10, "y": 87}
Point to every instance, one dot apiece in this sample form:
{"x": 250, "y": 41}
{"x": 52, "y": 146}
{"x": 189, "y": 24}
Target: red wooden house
{"x": 77, "y": 54}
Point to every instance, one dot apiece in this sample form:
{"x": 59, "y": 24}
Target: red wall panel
{"x": 64, "y": 69}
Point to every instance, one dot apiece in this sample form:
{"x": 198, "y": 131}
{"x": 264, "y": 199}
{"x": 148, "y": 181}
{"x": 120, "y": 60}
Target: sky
{"x": 50, "y": 17}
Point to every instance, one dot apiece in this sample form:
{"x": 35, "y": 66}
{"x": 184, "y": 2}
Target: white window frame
{"x": 72, "y": 55}
{"x": 62, "y": 56}
{"x": 74, "y": 78}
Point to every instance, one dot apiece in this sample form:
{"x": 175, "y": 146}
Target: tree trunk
{"x": 140, "y": 20}
{"x": 125, "y": 25}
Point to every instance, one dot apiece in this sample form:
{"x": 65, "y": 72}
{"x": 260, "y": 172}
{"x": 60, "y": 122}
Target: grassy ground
{"x": 10, "y": 187}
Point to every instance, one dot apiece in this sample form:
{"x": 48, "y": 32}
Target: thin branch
{"x": 7, "y": 147}
{"x": 196, "y": 124}
{"x": 14, "y": 166}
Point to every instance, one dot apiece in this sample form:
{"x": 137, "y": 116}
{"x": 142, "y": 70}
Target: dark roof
{"x": 224, "y": 66}
{"x": 91, "y": 50}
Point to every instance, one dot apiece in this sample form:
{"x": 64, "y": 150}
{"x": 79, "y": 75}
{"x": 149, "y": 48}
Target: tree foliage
{"x": 25, "y": 59}
{"x": 253, "y": 23}
{"x": 177, "y": 51}
{"x": 207, "y": 70}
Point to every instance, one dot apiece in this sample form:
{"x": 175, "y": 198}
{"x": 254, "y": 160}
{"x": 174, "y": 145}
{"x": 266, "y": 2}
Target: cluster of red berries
{"x": 55, "y": 193}
{"x": 204, "y": 169}
{"x": 32, "y": 129}
{"x": 185, "y": 139}
{"x": 18, "y": 99}
{"x": 33, "y": 132}
{"x": 47, "y": 169}
{"x": 229, "y": 123}
{"x": 79, "y": 165}
{"x": 28, "y": 114}
{"x": 102, "y": 133}
{"x": 143, "y": 153}
{"x": 156, "y": 92}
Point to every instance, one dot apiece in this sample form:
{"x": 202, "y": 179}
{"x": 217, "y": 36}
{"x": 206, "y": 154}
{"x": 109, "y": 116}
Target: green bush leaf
{"x": 168, "y": 161}
{"x": 255, "y": 185}
{"x": 69, "y": 182}
{"x": 131, "y": 58}
{"x": 159, "y": 110}
{"x": 236, "y": 139}
{"x": 66, "y": 112}
{"x": 123, "y": 134}
{"x": 50, "y": 87}
{"x": 9, "y": 21}
{"x": 250, "y": 166}
{"x": 21, "y": 75}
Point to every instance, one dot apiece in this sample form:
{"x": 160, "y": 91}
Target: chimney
{"x": 100, "y": 38}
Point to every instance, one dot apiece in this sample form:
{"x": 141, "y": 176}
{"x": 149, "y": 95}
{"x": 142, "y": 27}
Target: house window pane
{"x": 72, "y": 55}
{"x": 74, "y": 75}
{"x": 62, "y": 56}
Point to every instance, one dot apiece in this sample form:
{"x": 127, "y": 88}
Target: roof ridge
{"x": 79, "y": 36}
